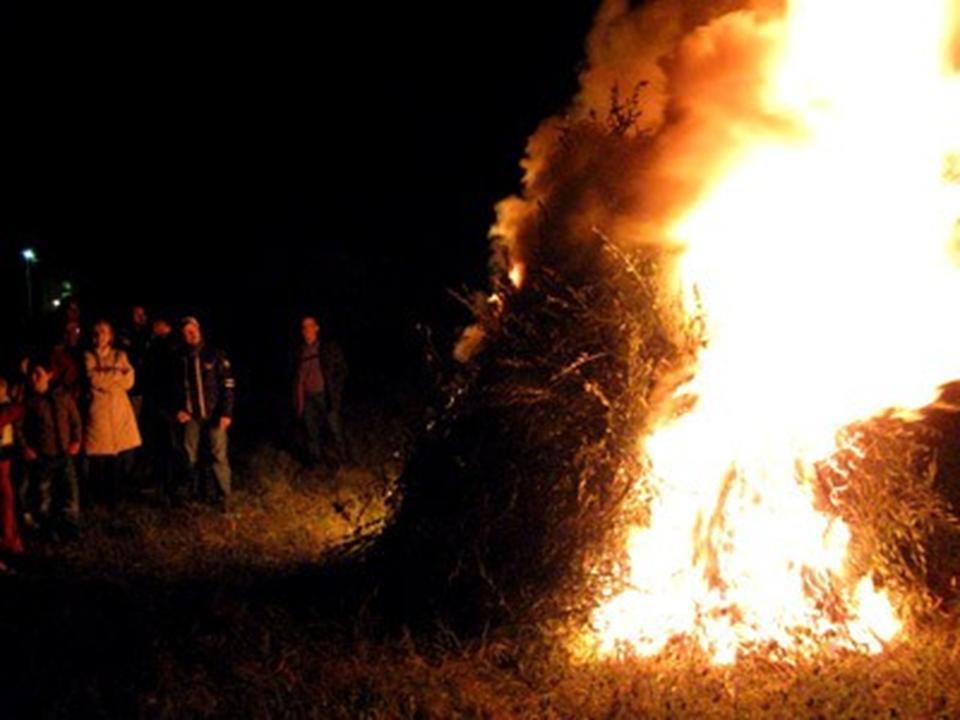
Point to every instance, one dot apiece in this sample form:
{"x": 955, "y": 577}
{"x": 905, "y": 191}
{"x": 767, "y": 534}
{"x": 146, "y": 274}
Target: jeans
{"x": 200, "y": 435}
{"x": 317, "y": 418}
{"x": 54, "y": 478}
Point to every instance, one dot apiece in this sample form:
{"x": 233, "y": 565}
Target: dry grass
{"x": 283, "y": 516}
{"x": 919, "y": 678}
{"x": 191, "y": 614}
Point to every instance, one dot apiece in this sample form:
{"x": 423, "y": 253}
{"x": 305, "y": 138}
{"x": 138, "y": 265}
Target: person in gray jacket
{"x": 319, "y": 377}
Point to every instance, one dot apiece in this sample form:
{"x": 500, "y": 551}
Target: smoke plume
{"x": 670, "y": 88}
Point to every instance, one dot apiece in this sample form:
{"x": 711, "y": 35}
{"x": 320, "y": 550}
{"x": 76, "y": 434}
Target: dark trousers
{"x": 53, "y": 491}
{"x": 138, "y": 470}
{"x": 109, "y": 476}
{"x": 205, "y": 445}
{"x": 161, "y": 442}
{"x": 318, "y": 419}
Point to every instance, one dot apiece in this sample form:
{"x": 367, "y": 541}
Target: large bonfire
{"x": 818, "y": 253}
{"x": 798, "y": 162}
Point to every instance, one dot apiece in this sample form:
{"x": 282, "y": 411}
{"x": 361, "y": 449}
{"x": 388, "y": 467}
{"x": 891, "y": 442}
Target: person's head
{"x": 71, "y": 334}
{"x": 192, "y": 334}
{"x": 39, "y": 377}
{"x": 4, "y": 390}
{"x": 139, "y": 316}
{"x": 310, "y": 329}
{"x": 161, "y": 328}
{"x": 102, "y": 335}
{"x": 71, "y": 309}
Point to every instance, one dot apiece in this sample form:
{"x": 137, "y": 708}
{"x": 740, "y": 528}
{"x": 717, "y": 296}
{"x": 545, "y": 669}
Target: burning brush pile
{"x": 691, "y": 411}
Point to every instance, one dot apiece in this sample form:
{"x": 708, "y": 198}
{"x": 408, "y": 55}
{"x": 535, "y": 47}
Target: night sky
{"x": 246, "y": 162}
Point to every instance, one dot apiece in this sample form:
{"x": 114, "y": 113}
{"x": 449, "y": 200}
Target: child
{"x": 50, "y": 436}
{"x": 10, "y": 542}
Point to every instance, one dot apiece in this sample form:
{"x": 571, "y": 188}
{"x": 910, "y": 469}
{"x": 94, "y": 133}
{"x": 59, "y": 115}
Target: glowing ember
{"x": 819, "y": 254}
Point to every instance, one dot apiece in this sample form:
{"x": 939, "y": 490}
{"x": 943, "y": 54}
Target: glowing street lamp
{"x": 29, "y": 260}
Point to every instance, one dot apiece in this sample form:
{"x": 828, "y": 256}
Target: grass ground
{"x": 289, "y": 517}
{"x": 190, "y": 613}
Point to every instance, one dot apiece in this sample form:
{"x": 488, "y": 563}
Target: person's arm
{"x": 57, "y": 364}
{"x": 76, "y": 426}
{"x": 227, "y": 386}
{"x": 99, "y": 379}
{"x": 182, "y": 405}
{"x": 20, "y": 432}
{"x": 125, "y": 377}
{"x": 298, "y": 394}
{"x": 339, "y": 372}
{"x": 11, "y": 414}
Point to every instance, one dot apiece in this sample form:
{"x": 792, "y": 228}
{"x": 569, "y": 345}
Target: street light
{"x": 29, "y": 260}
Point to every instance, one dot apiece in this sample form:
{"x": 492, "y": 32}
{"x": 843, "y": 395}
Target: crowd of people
{"x": 86, "y": 418}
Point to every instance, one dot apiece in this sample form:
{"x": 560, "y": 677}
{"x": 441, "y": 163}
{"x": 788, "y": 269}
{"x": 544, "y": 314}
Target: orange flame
{"x": 820, "y": 257}
{"x": 517, "y": 274}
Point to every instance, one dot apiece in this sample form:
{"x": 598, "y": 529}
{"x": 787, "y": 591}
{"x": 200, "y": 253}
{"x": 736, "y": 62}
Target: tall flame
{"x": 820, "y": 255}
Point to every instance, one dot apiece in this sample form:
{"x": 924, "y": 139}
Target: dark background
{"x": 247, "y": 162}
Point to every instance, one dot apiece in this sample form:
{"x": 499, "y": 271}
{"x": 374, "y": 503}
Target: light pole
{"x": 29, "y": 260}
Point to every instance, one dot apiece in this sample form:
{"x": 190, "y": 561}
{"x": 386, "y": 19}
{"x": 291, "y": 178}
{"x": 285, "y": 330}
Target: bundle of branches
{"x": 523, "y": 477}
{"x": 512, "y": 506}
{"x": 884, "y": 484}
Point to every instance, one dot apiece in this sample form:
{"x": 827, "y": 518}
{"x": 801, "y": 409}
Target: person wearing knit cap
{"x": 206, "y": 411}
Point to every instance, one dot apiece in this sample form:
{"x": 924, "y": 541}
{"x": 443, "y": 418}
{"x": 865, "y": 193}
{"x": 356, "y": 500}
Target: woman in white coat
{"x": 111, "y": 431}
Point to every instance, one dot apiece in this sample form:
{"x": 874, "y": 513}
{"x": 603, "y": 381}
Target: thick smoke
{"x": 625, "y": 170}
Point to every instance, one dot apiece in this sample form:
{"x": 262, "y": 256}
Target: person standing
{"x": 206, "y": 410}
{"x": 112, "y": 430}
{"x": 71, "y": 311}
{"x": 67, "y": 362}
{"x": 162, "y": 390}
{"x": 50, "y": 438}
{"x": 318, "y": 391}
{"x": 20, "y": 386}
{"x": 135, "y": 342}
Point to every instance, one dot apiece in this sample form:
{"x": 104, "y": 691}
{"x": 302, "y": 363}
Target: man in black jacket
{"x": 161, "y": 378}
{"x": 134, "y": 341}
{"x": 206, "y": 408}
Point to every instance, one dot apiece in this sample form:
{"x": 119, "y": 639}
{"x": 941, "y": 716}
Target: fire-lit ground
{"x": 257, "y": 643}
{"x": 192, "y": 614}
{"x": 289, "y": 517}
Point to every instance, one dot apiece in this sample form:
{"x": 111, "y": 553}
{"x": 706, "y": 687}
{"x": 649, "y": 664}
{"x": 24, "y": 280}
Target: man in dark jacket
{"x": 50, "y": 438}
{"x": 161, "y": 379}
{"x": 205, "y": 410}
{"x": 318, "y": 391}
{"x": 67, "y": 363}
{"x": 134, "y": 342}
